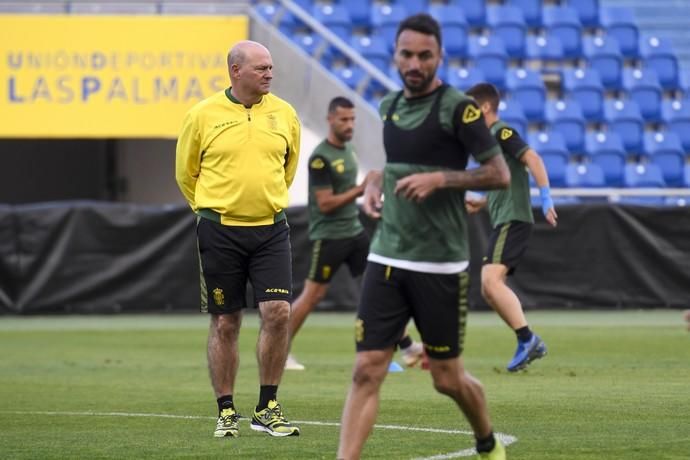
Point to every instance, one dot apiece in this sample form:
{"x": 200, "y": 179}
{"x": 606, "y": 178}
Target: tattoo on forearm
{"x": 484, "y": 177}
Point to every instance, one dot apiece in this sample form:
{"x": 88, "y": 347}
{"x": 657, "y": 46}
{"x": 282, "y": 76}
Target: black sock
{"x": 486, "y": 444}
{"x": 225, "y": 402}
{"x": 267, "y": 393}
{"x": 524, "y": 334}
{"x": 405, "y": 342}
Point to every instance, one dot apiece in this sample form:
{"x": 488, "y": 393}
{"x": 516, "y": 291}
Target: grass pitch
{"x": 615, "y": 385}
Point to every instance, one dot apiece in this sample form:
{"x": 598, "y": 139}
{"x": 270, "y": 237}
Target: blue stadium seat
{"x": 659, "y": 56}
{"x": 548, "y": 142}
{"x": 686, "y": 175}
{"x": 625, "y": 118}
{"x": 277, "y": 15}
{"x": 490, "y": 56}
{"x": 475, "y": 11}
{"x": 360, "y": 11}
{"x": 511, "y": 112}
{"x": 350, "y": 75}
{"x": 603, "y": 54}
{"x": 453, "y": 29}
{"x": 564, "y": 23}
{"x": 547, "y": 48}
{"x": 336, "y": 18}
{"x": 463, "y": 79}
{"x": 508, "y": 23}
{"x": 643, "y": 175}
{"x": 585, "y": 87}
{"x": 638, "y": 175}
{"x": 313, "y": 44}
{"x": 676, "y": 116}
{"x": 619, "y": 22}
{"x": 527, "y": 88}
{"x": 665, "y": 150}
{"x": 306, "y": 5}
{"x": 531, "y": 9}
{"x": 584, "y": 175}
{"x": 566, "y": 118}
{"x": 643, "y": 87}
{"x": 384, "y": 20}
{"x": 413, "y": 6}
{"x": 374, "y": 49}
{"x": 607, "y": 151}
{"x": 587, "y": 10}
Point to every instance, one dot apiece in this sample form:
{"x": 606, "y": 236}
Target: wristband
{"x": 546, "y": 201}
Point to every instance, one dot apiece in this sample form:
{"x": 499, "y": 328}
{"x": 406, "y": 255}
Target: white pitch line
{"x": 505, "y": 438}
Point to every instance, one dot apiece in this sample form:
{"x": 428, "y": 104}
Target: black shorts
{"x": 328, "y": 255}
{"x": 391, "y": 296}
{"x": 231, "y": 255}
{"x": 507, "y": 244}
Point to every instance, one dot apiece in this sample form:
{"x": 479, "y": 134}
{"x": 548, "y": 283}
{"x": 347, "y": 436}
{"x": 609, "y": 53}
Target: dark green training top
{"x": 514, "y": 202}
{"x": 434, "y": 132}
{"x": 335, "y": 168}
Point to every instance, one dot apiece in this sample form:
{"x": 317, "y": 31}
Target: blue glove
{"x": 546, "y": 201}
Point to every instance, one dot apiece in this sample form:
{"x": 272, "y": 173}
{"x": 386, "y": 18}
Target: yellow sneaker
{"x": 228, "y": 424}
{"x": 272, "y": 421}
{"x": 497, "y": 453}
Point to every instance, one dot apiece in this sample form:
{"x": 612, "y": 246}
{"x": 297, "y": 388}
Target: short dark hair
{"x": 422, "y": 23}
{"x": 340, "y": 101}
{"x": 485, "y": 92}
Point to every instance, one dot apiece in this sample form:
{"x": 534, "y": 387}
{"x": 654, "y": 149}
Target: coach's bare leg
{"x": 451, "y": 379}
{"x": 223, "y": 356}
{"x": 272, "y": 346}
{"x": 501, "y": 298}
{"x": 362, "y": 403}
{"x": 311, "y": 295}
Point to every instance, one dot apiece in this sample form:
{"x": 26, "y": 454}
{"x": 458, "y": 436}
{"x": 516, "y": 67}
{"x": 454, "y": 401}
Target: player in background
{"x": 335, "y": 231}
{"x": 511, "y": 218}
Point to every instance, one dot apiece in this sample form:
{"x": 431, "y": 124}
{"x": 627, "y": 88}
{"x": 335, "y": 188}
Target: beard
{"x": 422, "y": 85}
{"x": 344, "y": 136}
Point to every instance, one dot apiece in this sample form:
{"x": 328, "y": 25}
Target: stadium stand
{"x": 490, "y": 56}
{"x": 528, "y": 89}
{"x": 564, "y": 22}
{"x": 606, "y": 151}
{"x": 619, "y": 23}
{"x": 603, "y": 54}
{"x": 508, "y": 23}
{"x": 585, "y": 87}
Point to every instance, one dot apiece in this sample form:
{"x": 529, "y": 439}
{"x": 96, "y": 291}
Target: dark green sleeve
{"x": 511, "y": 143}
{"x": 471, "y": 130}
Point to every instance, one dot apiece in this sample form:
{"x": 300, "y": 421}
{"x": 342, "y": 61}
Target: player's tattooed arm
{"x": 491, "y": 174}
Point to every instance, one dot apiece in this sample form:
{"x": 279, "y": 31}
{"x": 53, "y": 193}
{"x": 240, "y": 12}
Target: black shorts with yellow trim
{"x": 391, "y": 296}
{"x": 328, "y": 255}
{"x": 229, "y": 256}
{"x": 508, "y": 243}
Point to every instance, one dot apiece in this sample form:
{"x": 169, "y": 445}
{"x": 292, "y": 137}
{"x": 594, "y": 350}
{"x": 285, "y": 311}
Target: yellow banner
{"x": 109, "y": 76}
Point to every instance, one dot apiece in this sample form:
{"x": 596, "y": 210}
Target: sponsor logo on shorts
{"x": 277, "y": 291}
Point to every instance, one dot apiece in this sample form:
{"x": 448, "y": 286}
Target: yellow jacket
{"x": 237, "y": 163}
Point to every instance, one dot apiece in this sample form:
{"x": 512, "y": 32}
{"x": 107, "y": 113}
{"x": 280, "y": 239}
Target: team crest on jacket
{"x": 272, "y": 122}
